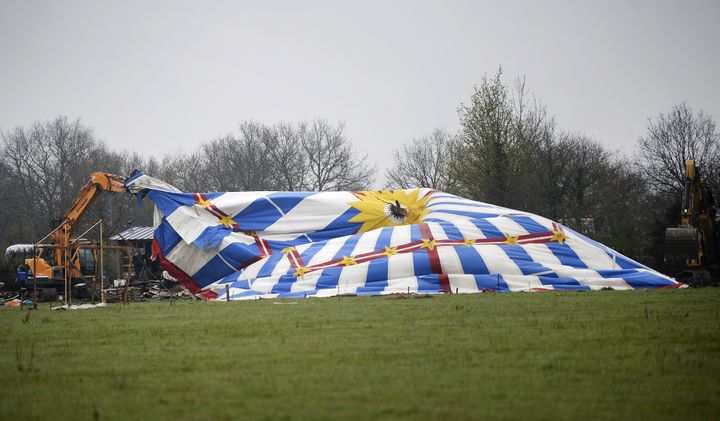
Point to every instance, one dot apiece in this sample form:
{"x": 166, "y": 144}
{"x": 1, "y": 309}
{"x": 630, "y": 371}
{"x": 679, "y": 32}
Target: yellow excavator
{"x": 691, "y": 248}
{"x": 62, "y": 261}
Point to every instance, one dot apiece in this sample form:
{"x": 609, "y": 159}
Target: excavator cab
{"x": 82, "y": 266}
{"x": 87, "y": 262}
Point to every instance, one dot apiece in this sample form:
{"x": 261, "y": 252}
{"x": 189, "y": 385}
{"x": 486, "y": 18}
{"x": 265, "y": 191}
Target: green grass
{"x": 604, "y": 354}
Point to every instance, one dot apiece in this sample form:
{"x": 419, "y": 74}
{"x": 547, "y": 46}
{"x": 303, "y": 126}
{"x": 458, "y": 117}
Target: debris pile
{"x": 117, "y": 294}
{"x": 149, "y": 289}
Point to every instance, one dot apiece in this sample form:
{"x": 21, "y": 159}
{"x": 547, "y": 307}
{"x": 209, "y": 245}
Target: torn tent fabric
{"x": 304, "y": 244}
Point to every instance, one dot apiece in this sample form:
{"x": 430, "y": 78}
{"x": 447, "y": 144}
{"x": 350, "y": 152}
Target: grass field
{"x": 604, "y": 354}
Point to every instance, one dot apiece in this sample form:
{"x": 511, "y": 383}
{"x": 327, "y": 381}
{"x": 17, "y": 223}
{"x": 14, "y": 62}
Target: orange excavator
{"x": 63, "y": 261}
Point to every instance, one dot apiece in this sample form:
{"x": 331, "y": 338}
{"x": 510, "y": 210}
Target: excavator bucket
{"x": 682, "y": 244}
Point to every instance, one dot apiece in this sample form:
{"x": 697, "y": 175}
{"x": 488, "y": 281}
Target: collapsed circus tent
{"x": 304, "y": 244}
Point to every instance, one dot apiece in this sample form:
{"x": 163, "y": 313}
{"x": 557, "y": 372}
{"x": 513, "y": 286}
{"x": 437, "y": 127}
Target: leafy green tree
{"x": 484, "y": 151}
{"x": 509, "y": 153}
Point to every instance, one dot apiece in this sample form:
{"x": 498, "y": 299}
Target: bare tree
{"x": 424, "y": 162}
{"x": 187, "y": 172}
{"x": 586, "y": 173}
{"x": 624, "y": 214}
{"x": 531, "y": 150}
{"x": 333, "y": 164}
{"x": 43, "y": 169}
{"x": 12, "y": 213}
{"x": 237, "y": 162}
{"x": 50, "y": 161}
{"x": 531, "y": 121}
{"x": 283, "y": 147}
{"x": 314, "y": 156}
{"x": 675, "y": 137}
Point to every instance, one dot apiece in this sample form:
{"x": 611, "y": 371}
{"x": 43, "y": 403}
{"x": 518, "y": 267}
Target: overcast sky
{"x": 156, "y": 76}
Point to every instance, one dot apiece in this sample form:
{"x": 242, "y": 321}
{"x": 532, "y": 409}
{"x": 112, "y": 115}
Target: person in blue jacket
{"x": 22, "y": 275}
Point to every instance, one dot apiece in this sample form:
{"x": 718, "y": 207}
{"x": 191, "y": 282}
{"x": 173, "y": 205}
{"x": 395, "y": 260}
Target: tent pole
{"x": 102, "y": 267}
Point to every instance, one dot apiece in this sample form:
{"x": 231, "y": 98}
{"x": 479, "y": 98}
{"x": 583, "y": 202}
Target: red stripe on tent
{"x": 449, "y": 242}
{"x": 435, "y": 263}
{"x": 373, "y": 253}
{"x": 538, "y": 241}
{"x": 293, "y": 261}
{"x": 208, "y": 295}
{"x": 262, "y": 245}
{"x": 325, "y": 265}
{"x": 296, "y": 257}
{"x": 368, "y": 258}
{"x": 432, "y": 254}
{"x": 211, "y": 208}
{"x": 402, "y": 247}
{"x": 268, "y": 249}
{"x": 445, "y": 283}
{"x": 490, "y": 240}
{"x": 429, "y": 193}
{"x": 173, "y": 270}
{"x": 214, "y": 210}
{"x": 198, "y": 197}
{"x": 214, "y": 213}
{"x": 220, "y": 214}
{"x": 536, "y": 235}
{"x": 250, "y": 261}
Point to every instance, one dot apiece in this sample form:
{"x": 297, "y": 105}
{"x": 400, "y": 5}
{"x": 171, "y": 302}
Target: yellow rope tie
{"x": 558, "y": 236}
{"x": 390, "y": 251}
{"x": 301, "y": 271}
{"x": 227, "y": 221}
{"x": 348, "y": 261}
{"x": 203, "y": 203}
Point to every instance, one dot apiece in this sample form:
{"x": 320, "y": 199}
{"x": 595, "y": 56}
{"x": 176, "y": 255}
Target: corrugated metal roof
{"x": 19, "y": 248}
{"x": 134, "y": 233}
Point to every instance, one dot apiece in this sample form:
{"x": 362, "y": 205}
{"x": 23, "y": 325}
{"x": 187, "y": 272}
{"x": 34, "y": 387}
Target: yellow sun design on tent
{"x": 388, "y": 208}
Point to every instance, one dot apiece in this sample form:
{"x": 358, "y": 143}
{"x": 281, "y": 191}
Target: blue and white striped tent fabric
{"x": 305, "y": 244}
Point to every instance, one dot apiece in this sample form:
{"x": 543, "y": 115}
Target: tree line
{"x": 508, "y": 151}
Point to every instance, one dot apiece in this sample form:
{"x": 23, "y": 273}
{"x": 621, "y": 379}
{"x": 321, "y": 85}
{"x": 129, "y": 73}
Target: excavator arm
{"x": 61, "y": 236}
{"x": 98, "y": 183}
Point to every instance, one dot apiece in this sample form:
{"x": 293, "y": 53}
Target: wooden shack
{"x": 134, "y": 260}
